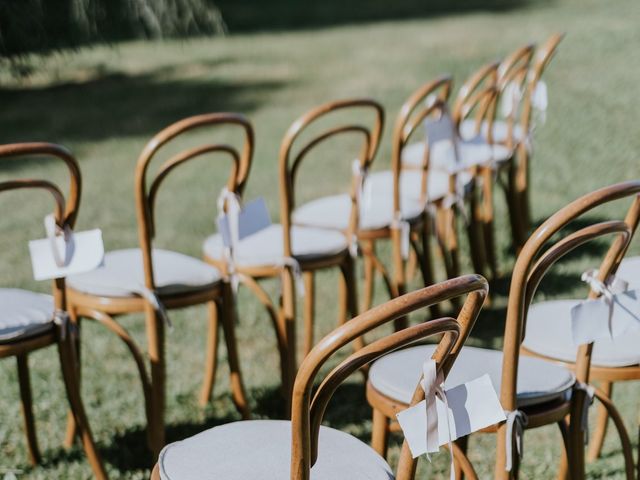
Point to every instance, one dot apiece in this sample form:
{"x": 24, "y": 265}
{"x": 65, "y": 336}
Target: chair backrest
{"x": 146, "y": 196}
{"x": 538, "y": 256}
{"x": 543, "y": 56}
{"x": 290, "y": 161}
{"x": 65, "y": 210}
{"x": 517, "y": 59}
{"x": 485, "y": 76}
{"x": 428, "y": 101}
{"x": 308, "y": 409}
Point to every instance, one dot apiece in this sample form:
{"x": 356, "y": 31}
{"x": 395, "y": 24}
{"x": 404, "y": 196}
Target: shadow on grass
{"x": 254, "y": 15}
{"x": 113, "y": 105}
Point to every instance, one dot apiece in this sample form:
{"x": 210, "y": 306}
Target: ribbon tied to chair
{"x": 53, "y": 232}
{"x": 516, "y": 422}
{"x": 363, "y": 199}
{"x": 608, "y": 316}
{"x": 590, "y": 393}
{"x": 398, "y": 223}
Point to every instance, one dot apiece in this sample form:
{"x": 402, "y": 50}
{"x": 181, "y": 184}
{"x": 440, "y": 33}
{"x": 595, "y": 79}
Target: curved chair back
{"x": 485, "y": 76}
{"x": 538, "y": 256}
{"x": 309, "y": 409}
{"x": 430, "y": 100}
{"x": 541, "y": 60}
{"x": 146, "y": 197}
{"x": 519, "y": 58}
{"x": 290, "y": 162}
{"x": 65, "y": 211}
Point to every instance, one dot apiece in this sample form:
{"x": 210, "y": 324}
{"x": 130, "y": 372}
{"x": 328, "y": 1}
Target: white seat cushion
{"x": 261, "y": 449}
{"x": 442, "y": 155}
{"x": 122, "y": 274}
{"x": 396, "y": 375}
{"x": 24, "y": 314}
{"x": 376, "y": 209}
{"x": 266, "y": 246}
{"x": 500, "y": 130}
{"x": 629, "y": 270}
{"x": 549, "y": 334}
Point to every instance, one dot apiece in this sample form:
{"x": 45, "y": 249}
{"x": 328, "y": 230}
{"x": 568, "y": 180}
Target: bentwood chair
{"x": 303, "y": 449}
{"x": 149, "y": 280}
{"x": 30, "y": 321}
{"x": 289, "y": 250}
{"x": 444, "y": 193}
{"x": 549, "y": 335}
{"x": 533, "y": 391}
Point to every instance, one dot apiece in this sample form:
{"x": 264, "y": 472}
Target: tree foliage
{"x": 40, "y": 26}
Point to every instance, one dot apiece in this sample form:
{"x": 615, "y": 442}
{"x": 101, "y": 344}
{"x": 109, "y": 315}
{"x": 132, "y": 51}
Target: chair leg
{"x": 597, "y": 439}
{"x": 380, "y": 433}
{"x": 347, "y": 269}
{"x": 70, "y": 434}
{"x": 27, "y": 409}
{"x": 227, "y": 311}
{"x": 68, "y": 364}
{"x": 211, "y": 359}
{"x": 309, "y": 310}
{"x": 515, "y": 211}
{"x": 368, "y": 251}
{"x": 462, "y": 444}
{"x": 522, "y": 187}
{"x": 575, "y": 448}
{"x": 501, "y": 457}
{"x": 426, "y": 264}
{"x": 398, "y": 273}
{"x": 488, "y": 221}
{"x": 287, "y": 322}
{"x": 563, "y": 467}
{"x": 156, "y": 351}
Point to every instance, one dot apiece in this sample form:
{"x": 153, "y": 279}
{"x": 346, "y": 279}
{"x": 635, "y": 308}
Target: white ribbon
{"x": 294, "y": 265}
{"x": 363, "y": 199}
{"x": 432, "y": 384}
{"x": 61, "y": 319}
{"x": 53, "y": 230}
{"x": 615, "y": 298}
{"x": 590, "y": 393}
{"x": 511, "y": 96}
{"x": 516, "y": 421}
{"x": 405, "y": 231}
{"x": 232, "y": 203}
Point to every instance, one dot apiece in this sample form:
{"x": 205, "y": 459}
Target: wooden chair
{"x": 282, "y": 249}
{"x": 30, "y": 321}
{"x": 148, "y": 280}
{"x": 302, "y": 448}
{"x": 534, "y": 391}
{"x": 548, "y": 336}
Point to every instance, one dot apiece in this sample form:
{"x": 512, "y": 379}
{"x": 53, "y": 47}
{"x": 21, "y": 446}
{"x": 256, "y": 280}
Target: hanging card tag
{"x": 439, "y": 129}
{"x": 472, "y": 406}
{"x": 253, "y": 217}
{"x": 599, "y": 318}
{"x": 86, "y": 254}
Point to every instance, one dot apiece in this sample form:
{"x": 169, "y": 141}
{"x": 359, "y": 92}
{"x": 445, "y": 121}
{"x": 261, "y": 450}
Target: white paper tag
{"x": 439, "y": 129}
{"x": 87, "y": 255}
{"x": 472, "y": 406}
{"x": 595, "y": 319}
{"x": 253, "y": 217}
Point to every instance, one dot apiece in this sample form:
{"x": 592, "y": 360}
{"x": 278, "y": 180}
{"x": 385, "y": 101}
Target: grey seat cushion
{"x": 24, "y": 314}
{"x": 549, "y": 329}
{"x": 396, "y": 375}
{"x": 122, "y": 274}
{"x": 549, "y": 334}
{"x": 266, "y": 248}
{"x": 261, "y": 449}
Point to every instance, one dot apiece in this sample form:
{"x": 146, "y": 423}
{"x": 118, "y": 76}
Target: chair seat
{"x": 549, "y": 334}
{"x": 122, "y": 274}
{"x": 24, "y": 314}
{"x": 265, "y": 248}
{"x": 500, "y": 130}
{"x": 261, "y": 449}
{"x": 396, "y": 375}
{"x": 376, "y": 209}
{"x": 442, "y": 155}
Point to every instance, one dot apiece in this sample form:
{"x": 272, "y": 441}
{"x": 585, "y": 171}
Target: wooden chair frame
{"x": 534, "y": 261}
{"x": 309, "y": 407}
{"x": 412, "y": 114}
{"x": 61, "y": 335}
{"x": 541, "y": 61}
{"x": 218, "y": 297}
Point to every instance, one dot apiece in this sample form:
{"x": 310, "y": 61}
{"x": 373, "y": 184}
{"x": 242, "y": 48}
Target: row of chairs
{"x": 308, "y": 239}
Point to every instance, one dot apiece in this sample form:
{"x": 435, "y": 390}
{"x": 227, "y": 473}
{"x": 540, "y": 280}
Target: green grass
{"x": 105, "y": 103}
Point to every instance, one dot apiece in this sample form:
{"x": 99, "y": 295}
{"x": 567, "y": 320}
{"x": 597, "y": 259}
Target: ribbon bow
{"x": 232, "y": 202}
{"x": 432, "y": 384}
{"x": 590, "y": 393}
{"x": 397, "y": 223}
{"x": 516, "y": 421}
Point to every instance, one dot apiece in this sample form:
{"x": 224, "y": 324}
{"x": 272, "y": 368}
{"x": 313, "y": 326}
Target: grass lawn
{"x": 105, "y": 103}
